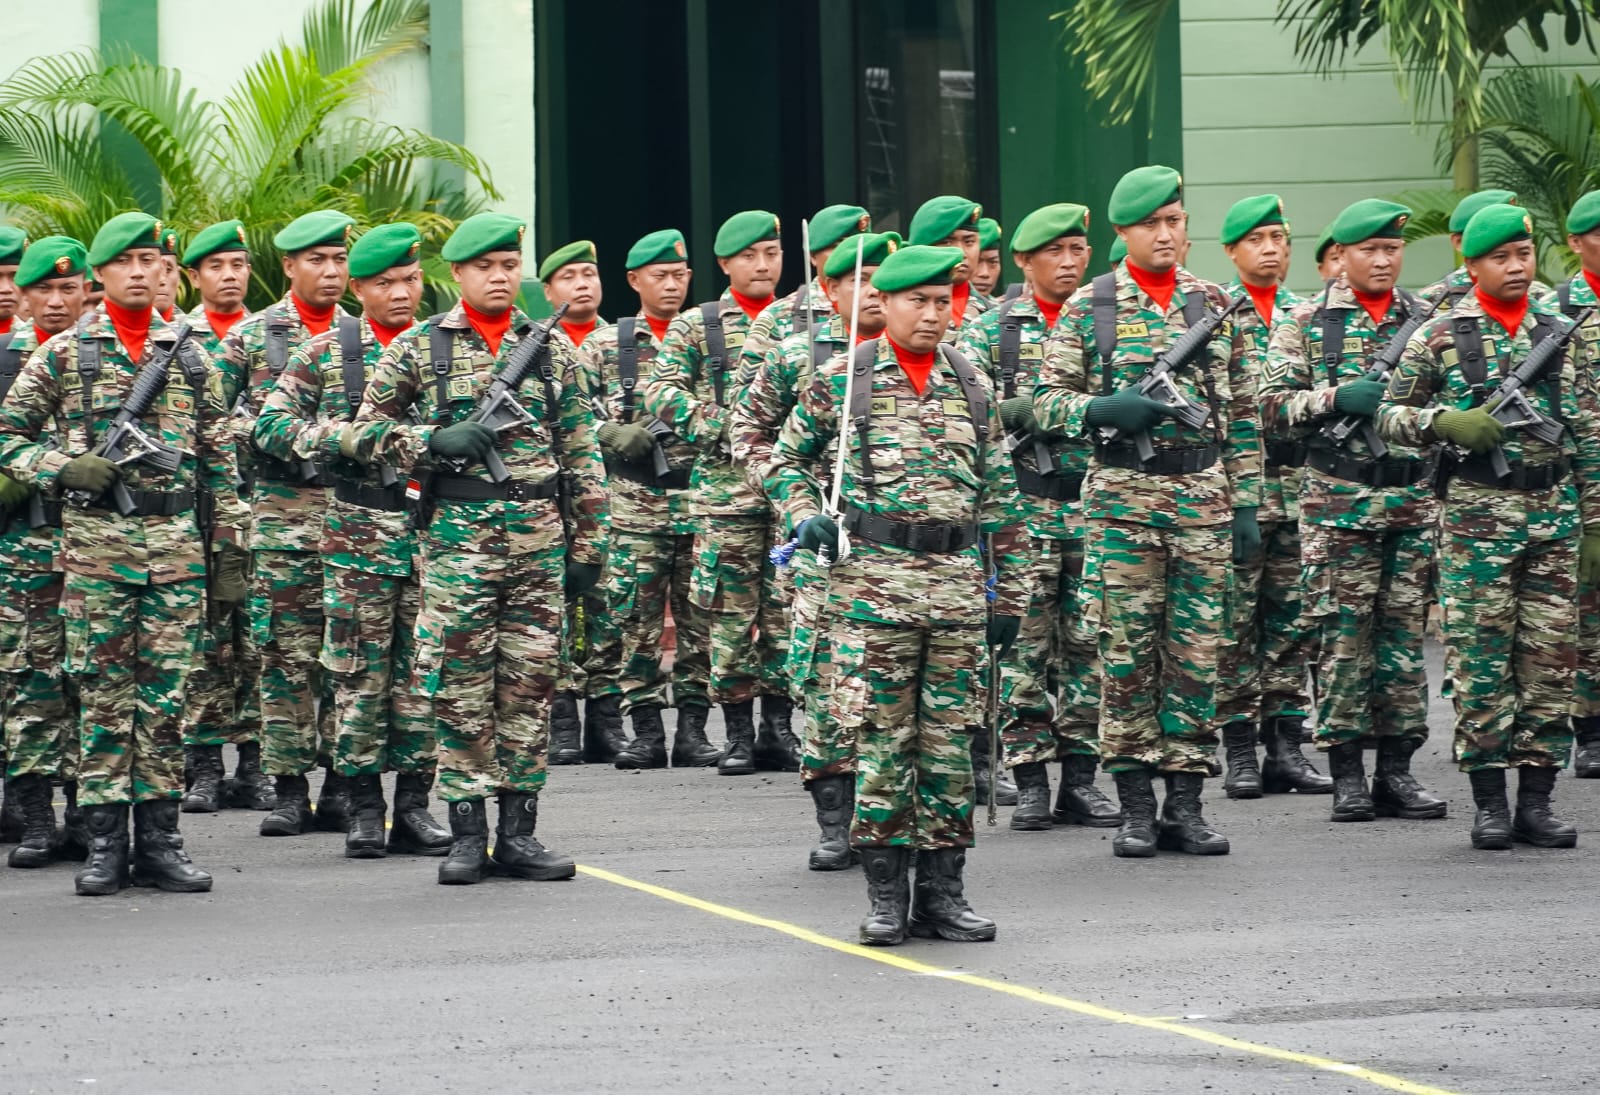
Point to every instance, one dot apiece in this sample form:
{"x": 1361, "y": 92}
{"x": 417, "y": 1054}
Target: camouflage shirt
{"x": 102, "y": 543}
{"x": 404, "y": 383}
{"x": 1280, "y": 486}
{"x": 302, "y": 419}
{"x": 1428, "y": 380}
{"x": 778, "y": 321}
{"x": 772, "y": 393}
{"x": 1297, "y": 393}
{"x": 22, "y": 548}
{"x": 977, "y": 306}
{"x": 926, "y": 466}
{"x": 1073, "y": 375}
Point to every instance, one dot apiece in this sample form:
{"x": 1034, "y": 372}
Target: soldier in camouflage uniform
{"x": 38, "y": 703}
{"x": 1573, "y": 298}
{"x": 692, "y": 386}
{"x": 1050, "y": 687}
{"x": 1326, "y": 254}
{"x": 652, "y": 534}
{"x": 1449, "y": 289}
{"x": 166, "y": 298}
{"x": 12, "y": 243}
{"x": 952, "y": 221}
{"x": 290, "y": 498}
{"x": 224, "y": 701}
{"x": 925, "y": 480}
{"x": 1514, "y": 539}
{"x": 986, "y": 274}
{"x": 1262, "y": 673}
{"x": 370, "y": 590}
{"x": 781, "y": 319}
{"x": 1157, "y": 573}
{"x": 1367, "y": 520}
{"x": 497, "y": 558}
{"x": 135, "y": 562}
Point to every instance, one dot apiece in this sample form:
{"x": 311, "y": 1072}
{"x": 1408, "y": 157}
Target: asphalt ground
{"x": 695, "y": 952}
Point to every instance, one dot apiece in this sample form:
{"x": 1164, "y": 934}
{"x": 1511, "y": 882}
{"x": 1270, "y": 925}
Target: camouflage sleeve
{"x": 792, "y": 479}
{"x": 1241, "y": 450}
{"x": 1063, "y": 394}
{"x": 589, "y": 525}
{"x": 33, "y": 400}
{"x": 760, "y": 409}
{"x": 218, "y": 458}
{"x": 973, "y": 345}
{"x": 1291, "y": 404}
{"x": 1582, "y": 412}
{"x": 1003, "y": 519}
{"x": 1404, "y": 417}
{"x": 233, "y": 365}
{"x": 288, "y": 425}
{"x": 668, "y": 392}
{"x": 382, "y": 434}
{"x": 590, "y": 362}
{"x": 758, "y": 344}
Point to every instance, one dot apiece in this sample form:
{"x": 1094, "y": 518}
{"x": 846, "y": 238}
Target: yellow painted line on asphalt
{"x": 1049, "y": 999}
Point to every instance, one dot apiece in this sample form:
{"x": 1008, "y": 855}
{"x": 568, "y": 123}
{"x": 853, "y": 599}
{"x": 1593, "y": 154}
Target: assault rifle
{"x": 1509, "y": 402}
{"x": 498, "y": 408}
{"x": 125, "y": 442}
{"x": 1339, "y": 432}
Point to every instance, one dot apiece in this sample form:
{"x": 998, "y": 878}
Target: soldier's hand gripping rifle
{"x": 1158, "y": 384}
{"x": 125, "y": 441}
{"x": 1509, "y": 404}
{"x": 1339, "y": 432}
{"x": 498, "y": 408}
{"x": 660, "y": 433}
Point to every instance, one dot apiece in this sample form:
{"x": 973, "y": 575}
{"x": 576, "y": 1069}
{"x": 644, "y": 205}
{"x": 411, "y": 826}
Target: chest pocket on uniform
{"x": 884, "y": 439}
{"x": 959, "y": 440}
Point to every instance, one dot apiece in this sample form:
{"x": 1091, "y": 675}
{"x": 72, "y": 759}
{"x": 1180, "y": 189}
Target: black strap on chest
{"x": 860, "y": 410}
{"x": 88, "y": 370}
{"x": 1564, "y": 299}
{"x": 277, "y": 346}
{"x": 716, "y": 348}
{"x": 1467, "y": 335}
{"x": 352, "y": 363}
{"x": 10, "y": 363}
{"x": 1331, "y": 324}
{"x": 1103, "y": 309}
{"x": 441, "y": 348}
{"x": 821, "y": 350}
{"x": 1011, "y": 350}
{"x": 627, "y": 362}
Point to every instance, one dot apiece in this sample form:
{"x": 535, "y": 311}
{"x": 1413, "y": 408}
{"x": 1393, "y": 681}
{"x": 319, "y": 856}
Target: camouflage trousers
{"x": 368, "y": 646}
{"x": 1586, "y": 692}
{"x": 38, "y": 702}
{"x": 224, "y": 703}
{"x": 646, "y": 573}
{"x": 1261, "y": 674}
{"x": 1367, "y": 594}
{"x": 1050, "y": 679}
{"x": 909, "y": 697}
{"x": 1159, "y": 600}
{"x": 131, "y": 649}
{"x": 826, "y": 749}
{"x": 1510, "y": 615}
{"x": 286, "y": 623}
{"x": 747, "y": 603}
{"x": 489, "y": 637}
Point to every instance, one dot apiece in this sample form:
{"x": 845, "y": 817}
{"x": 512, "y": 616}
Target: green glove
{"x": 230, "y": 579}
{"x": 581, "y": 577}
{"x": 12, "y": 492}
{"x": 1127, "y": 410}
{"x": 626, "y": 439}
{"x": 1016, "y": 414}
{"x": 1589, "y": 559}
{"x": 88, "y": 472}
{"x": 1246, "y": 534}
{"x": 1003, "y": 632}
{"x": 1474, "y": 430}
{"x": 820, "y": 531}
{"x": 463, "y": 441}
{"x": 1359, "y": 397}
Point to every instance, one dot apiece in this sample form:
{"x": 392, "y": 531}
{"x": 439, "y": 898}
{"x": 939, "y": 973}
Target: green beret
{"x": 481, "y": 233}
{"x": 664, "y": 246}
{"x": 989, "y": 231}
{"x": 1141, "y": 192}
{"x": 52, "y": 257}
{"x": 834, "y": 223}
{"x": 325, "y": 226}
{"x": 13, "y": 241}
{"x": 940, "y": 218}
{"x": 124, "y": 232}
{"x": 223, "y": 236}
{"x": 916, "y": 264}
{"x": 1248, "y": 214}
{"x": 1370, "y": 218}
{"x": 743, "y": 230}
{"x": 169, "y": 242}
{"x": 385, "y": 247}
{"x": 1048, "y": 223}
{"x": 1468, "y": 207}
{"x": 1324, "y": 242}
{"x": 1585, "y": 215}
{"x": 1119, "y": 250}
{"x": 1490, "y": 227}
{"x": 874, "y": 249}
{"x": 576, "y": 251}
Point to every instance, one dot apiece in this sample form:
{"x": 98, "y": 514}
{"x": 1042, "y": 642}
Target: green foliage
{"x": 1116, "y": 41}
{"x": 288, "y": 138}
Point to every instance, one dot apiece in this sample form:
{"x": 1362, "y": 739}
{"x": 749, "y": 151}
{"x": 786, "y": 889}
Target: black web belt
{"x": 467, "y": 488}
{"x": 1056, "y": 488}
{"x": 936, "y": 537}
{"x": 1286, "y": 454}
{"x": 1371, "y": 473}
{"x": 273, "y": 470}
{"x": 1478, "y": 470}
{"x": 1185, "y": 460}
{"x": 388, "y": 499}
{"x": 152, "y": 503}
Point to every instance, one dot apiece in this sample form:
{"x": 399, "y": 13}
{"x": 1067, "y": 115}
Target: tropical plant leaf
{"x": 1116, "y": 41}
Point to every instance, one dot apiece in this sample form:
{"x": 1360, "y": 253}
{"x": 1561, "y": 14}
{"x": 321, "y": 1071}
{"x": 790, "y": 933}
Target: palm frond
{"x": 1116, "y": 42}
{"x": 386, "y": 28}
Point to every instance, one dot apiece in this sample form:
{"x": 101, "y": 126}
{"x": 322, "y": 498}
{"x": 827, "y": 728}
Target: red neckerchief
{"x": 658, "y": 327}
{"x": 1509, "y": 314}
{"x": 960, "y": 297}
{"x": 132, "y": 326}
{"x": 1376, "y": 305}
{"x": 915, "y": 366}
{"x": 1158, "y": 287}
{"x": 317, "y": 320}
{"x": 577, "y": 332}
{"x": 222, "y": 322}
{"x": 1594, "y": 282}
{"x": 167, "y": 315}
{"x": 1264, "y": 298}
{"x": 749, "y": 305}
{"x": 5, "y": 325}
{"x": 490, "y": 328}
{"x": 1050, "y": 312}
{"x": 384, "y": 333}
{"x": 39, "y": 337}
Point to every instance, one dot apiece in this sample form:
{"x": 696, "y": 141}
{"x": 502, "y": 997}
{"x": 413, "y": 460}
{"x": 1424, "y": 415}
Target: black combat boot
{"x": 889, "y": 890}
{"x": 939, "y": 908}
{"x": 158, "y": 856}
{"x": 468, "y": 860}
{"x": 1243, "y": 778}
{"x": 566, "y": 732}
{"x": 1586, "y": 761}
{"x": 776, "y": 748}
{"x": 11, "y": 821}
{"x": 106, "y": 872}
{"x": 648, "y": 749}
{"x": 39, "y": 841}
{"x": 1080, "y": 802}
{"x": 204, "y": 764}
{"x": 1032, "y": 814}
{"x": 738, "y": 759}
{"x": 364, "y": 838}
{"x": 1352, "y": 801}
{"x": 1534, "y": 823}
{"x": 74, "y": 833}
{"x": 517, "y": 852}
{"x": 1395, "y": 791}
{"x": 834, "y": 797}
{"x": 1286, "y": 768}
{"x": 1491, "y": 828}
{"x": 251, "y": 789}
{"x": 1183, "y": 826}
{"x": 333, "y": 803}
{"x": 690, "y": 749}
{"x": 602, "y": 729}
{"x": 985, "y": 782}
{"x": 1136, "y": 839}
{"x": 292, "y": 814}
{"x": 415, "y": 832}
